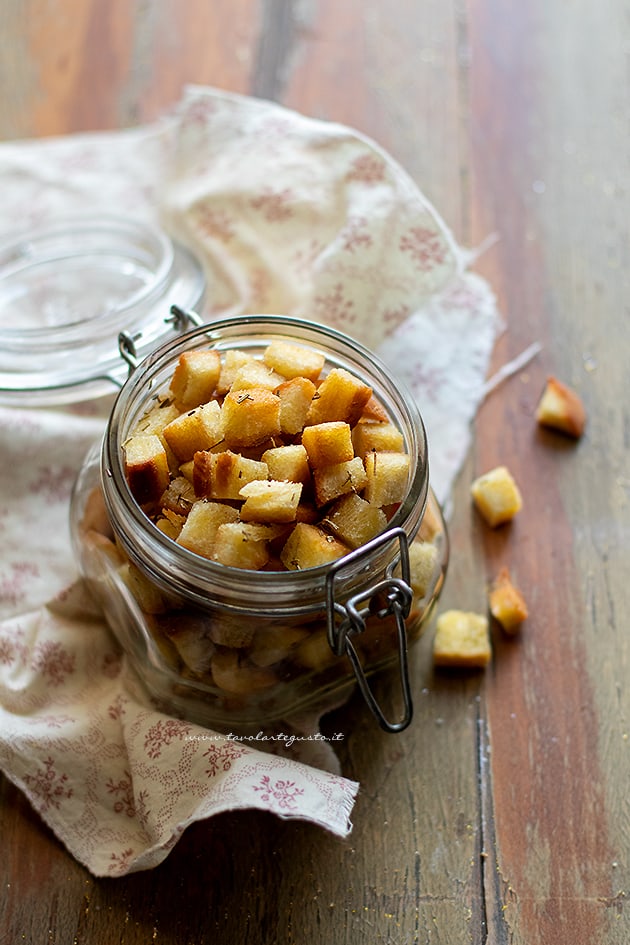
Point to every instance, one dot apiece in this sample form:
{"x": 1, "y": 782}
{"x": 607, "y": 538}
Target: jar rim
{"x": 299, "y": 590}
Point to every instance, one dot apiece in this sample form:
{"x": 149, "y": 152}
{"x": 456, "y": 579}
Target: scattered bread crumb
{"x": 561, "y": 408}
{"x": 496, "y": 496}
{"x": 462, "y": 639}
{"x": 507, "y": 604}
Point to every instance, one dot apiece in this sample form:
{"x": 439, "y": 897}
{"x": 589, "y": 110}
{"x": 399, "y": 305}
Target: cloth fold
{"x": 288, "y": 215}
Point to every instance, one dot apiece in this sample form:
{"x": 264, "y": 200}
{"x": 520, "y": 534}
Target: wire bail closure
{"x": 180, "y": 320}
{"x": 346, "y": 620}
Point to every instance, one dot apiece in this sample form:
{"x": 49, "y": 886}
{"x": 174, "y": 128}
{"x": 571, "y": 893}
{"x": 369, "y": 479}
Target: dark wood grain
{"x": 559, "y": 761}
{"x": 501, "y": 815}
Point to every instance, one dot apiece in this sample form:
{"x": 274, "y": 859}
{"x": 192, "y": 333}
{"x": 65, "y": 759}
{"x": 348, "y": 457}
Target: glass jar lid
{"x": 68, "y": 291}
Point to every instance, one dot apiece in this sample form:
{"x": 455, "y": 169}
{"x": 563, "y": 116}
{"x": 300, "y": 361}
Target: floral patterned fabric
{"x": 288, "y": 215}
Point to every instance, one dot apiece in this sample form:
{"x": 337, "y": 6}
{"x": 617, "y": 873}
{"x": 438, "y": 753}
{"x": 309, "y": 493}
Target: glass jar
{"x": 235, "y": 649}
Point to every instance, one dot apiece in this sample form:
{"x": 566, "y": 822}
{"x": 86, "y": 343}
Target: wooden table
{"x": 503, "y": 814}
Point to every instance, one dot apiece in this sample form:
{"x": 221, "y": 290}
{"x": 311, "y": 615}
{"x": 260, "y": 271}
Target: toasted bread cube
{"x": 179, "y": 496}
{"x": 232, "y": 674}
{"x": 272, "y": 644}
{"x": 232, "y": 631}
{"x": 561, "y": 408}
{"x": 157, "y": 418}
{"x": 328, "y": 443}
{"x": 187, "y": 470}
{"x": 338, "y": 479}
{"x": 496, "y": 496}
{"x": 233, "y": 361}
{"x": 462, "y": 639}
{"x": 270, "y": 501}
{"x": 249, "y": 417}
{"x": 234, "y": 548}
{"x": 308, "y": 546}
{"x": 295, "y": 401}
{"x": 507, "y": 604}
{"x": 340, "y": 396}
{"x": 198, "y": 429}
{"x": 314, "y": 651}
{"x": 287, "y": 462}
{"x": 171, "y": 524}
{"x": 101, "y": 548}
{"x": 204, "y": 519}
{"x": 195, "y": 378}
{"x": 423, "y": 559}
{"x": 294, "y": 360}
{"x": 149, "y": 597}
{"x": 256, "y": 374}
{"x": 95, "y": 515}
{"x": 375, "y": 411}
{"x": 189, "y": 632}
{"x": 377, "y": 437}
{"x": 146, "y": 468}
{"x": 354, "y": 521}
{"x": 387, "y": 478}
{"x": 432, "y": 524}
{"x": 222, "y": 475}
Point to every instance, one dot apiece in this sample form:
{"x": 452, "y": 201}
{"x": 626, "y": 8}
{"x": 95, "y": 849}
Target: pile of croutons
{"x": 268, "y": 462}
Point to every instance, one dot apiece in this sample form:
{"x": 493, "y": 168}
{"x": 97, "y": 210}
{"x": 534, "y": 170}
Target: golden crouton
{"x": 354, "y": 521}
{"x": 507, "y": 604}
{"x": 308, "y": 546}
{"x": 461, "y": 639}
{"x": 294, "y": 360}
{"x": 157, "y": 418}
{"x": 232, "y": 631}
{"x": 561, "y": 408}
{"x": 270, "y": 501}
{"x": 146, "y": 468}
{"x": 256, "y": 374}
{"x": 234, "y": 548}
{"x": 272, "y": 644}
{"x": 295, "y": 401}
{"x": 431, "y": 524}
{"x": 179, "y": 497}
{"x": 314, "y": 651}
{"x": 198, "y": 429}
{"x": 333, "y": 481}
{"x": 204, "y": 519}
{"x": 423, "y": 559}
{"x": 377, "y": 437}
{"x": 222, "y": 475}
{"x": 340, "y": 396}
{"x": 249, "y": 417}
{"x": 374, "y": 411}
{"x": 189, "y": 634}
{"x": 195, "y": 378}
{"x": 232, "y": 674}
{"x": 233, "y": 361}
{"x": 387, "y": 477}
{"x": 171, "y": 524}
{"x": 287, "y": 462}
{"x": 328, "y": 443}
{"x": 149, "y": 597}
{"x": 496, "y": 496}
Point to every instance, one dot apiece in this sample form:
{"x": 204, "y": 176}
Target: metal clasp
{"x": 183, "y": 320}
{"x": 346, "y": 620}
{"x": 180, "y": 320}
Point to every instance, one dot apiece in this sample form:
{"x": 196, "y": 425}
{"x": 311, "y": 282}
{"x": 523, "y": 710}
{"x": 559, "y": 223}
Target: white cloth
{"x": 288, "y": 215}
